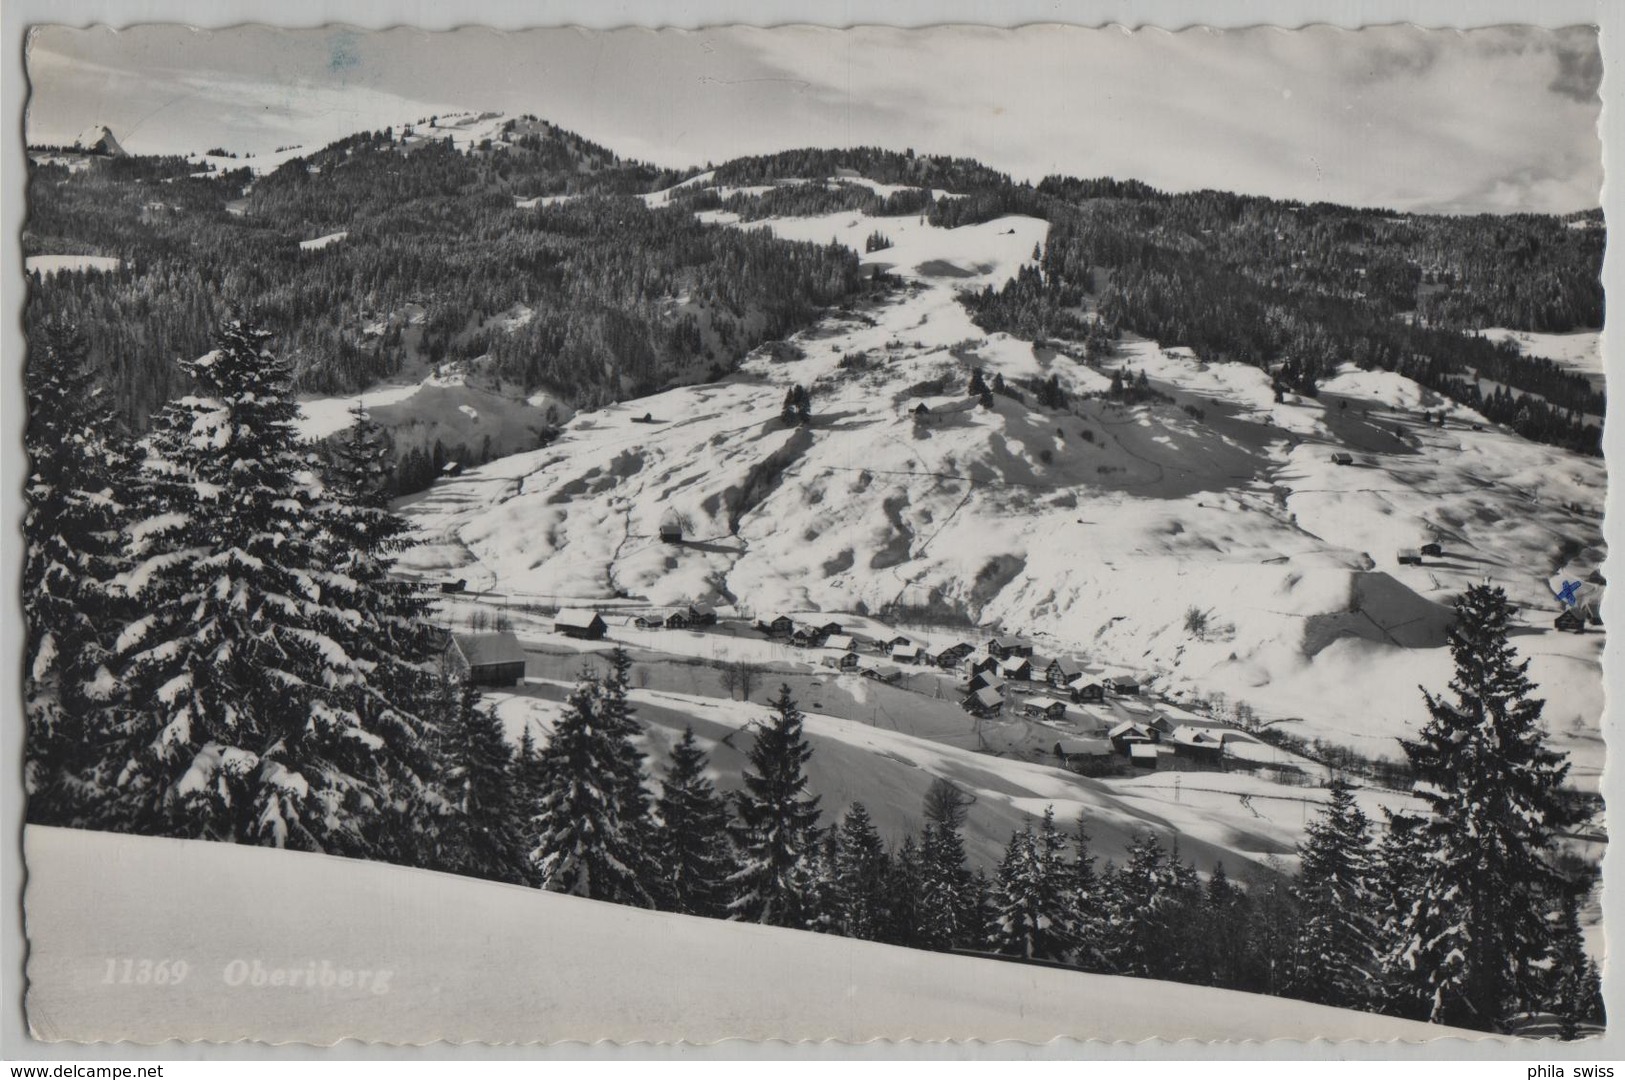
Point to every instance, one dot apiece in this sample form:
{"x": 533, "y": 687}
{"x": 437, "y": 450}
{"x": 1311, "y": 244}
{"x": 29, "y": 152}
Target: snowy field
{"x": 1097, "y": 530}
{"x": 533, "y": 966}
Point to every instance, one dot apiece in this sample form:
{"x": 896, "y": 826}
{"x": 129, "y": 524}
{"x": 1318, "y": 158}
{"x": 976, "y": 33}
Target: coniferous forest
{"x": 216, "y": 649}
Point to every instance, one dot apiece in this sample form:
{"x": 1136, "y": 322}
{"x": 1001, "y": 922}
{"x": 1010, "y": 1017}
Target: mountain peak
{"x": 99, "y": 139}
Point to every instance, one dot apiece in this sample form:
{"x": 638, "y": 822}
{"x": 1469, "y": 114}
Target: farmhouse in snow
{"x": 984, "y": 702}
{"x": 1004, "y": 646}
{"x": 580, "y": 623}
{"x": 487, "y": 659}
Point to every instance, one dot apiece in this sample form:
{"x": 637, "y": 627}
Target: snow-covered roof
{"x": 576, "y": 617}
{"x": 1131, "y": 727}
{"x": 1144, "y": 750}
{"x": 482, "y": 649}
{"x": 843, "y": 642}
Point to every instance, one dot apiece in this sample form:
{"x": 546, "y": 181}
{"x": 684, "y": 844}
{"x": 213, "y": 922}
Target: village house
{"x": 953, "y": 654}
{"x": 843, "y": 642}
{"x": 679, "y": 620}
{"x": 1004, "y": 646}
{"x": 671, "y": 528}
{"x": 1060, "y": 672}
{"x": 1148, "y": 755}
{"x": 984, "y": 702}
{"x": 806, "y": 635}
{"x": 1073, "y": 751}
{"x": 846, "y": 661}
{"x": 487, "y": 659}
{"x": 908, "y": 654}
{"x": 1341, "y": 458}
{"x": 778, "y": 625}
{"x": 1084, "y": 690}
{"x": 1131, "y": 732}
{"x": 1433, "y": 550}
{"x": 985, "y": 678}
{"x": 649, "y": 620}
{"x": 580, "y": 623}
{"x": 896, "y": 641}
{"x": 1202, "y": 745}
{"x": 702, "y": 614}
{"x": 882, "y": 672}
{"x": 984, "y": 663}
{"x": 1016, "y": 667}
{"x": 826, "y": 627}
{"x": 1124, "y": 685}
{"x": 1044, "y": 708}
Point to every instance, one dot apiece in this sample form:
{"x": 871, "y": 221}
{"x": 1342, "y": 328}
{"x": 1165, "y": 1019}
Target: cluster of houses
{"x": 1009, "y": 660}
{"x": 590, "y": 625}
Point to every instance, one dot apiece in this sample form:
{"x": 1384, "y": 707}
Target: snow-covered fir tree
{"x": 75, "y": 489}
{"x": 777, "y": 826}
{"x": 863, "y": 877}
{"x": 481, "y": 832}
{"x": 252, "y": 707}
{"x": 903, "y": 915}
{"x": 1573, "y": 984}
{"x": 1398, "y": 869}
{"x": 1088, "y": 903}
{"x": 583, "y": 846}
{"x": 1148, "y": 891}
{"x": 1476, "y": 932}
{"x": 947, "y": 898}
{"x": 1032, "y": 899}
{"x": 691, "y": 844}
{"x": 631, "y": 793}
{"x": 1337, "y": 952}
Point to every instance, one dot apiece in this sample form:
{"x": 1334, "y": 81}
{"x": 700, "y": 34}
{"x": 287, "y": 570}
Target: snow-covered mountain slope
{"x": 1098, "y": 528}
{"x": 531, "y": 966}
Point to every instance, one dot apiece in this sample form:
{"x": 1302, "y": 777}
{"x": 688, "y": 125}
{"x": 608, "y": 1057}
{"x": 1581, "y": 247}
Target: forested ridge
{"x": 617, "y": 299}
{"x": 613, "y": 299}
{"x": 1292, "y": 287}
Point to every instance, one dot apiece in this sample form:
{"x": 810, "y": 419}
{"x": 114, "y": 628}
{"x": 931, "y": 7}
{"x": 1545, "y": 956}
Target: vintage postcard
{"x": 810, "y": 534}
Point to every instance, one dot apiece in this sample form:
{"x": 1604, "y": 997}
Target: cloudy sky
{"x": 1498, "y": 120}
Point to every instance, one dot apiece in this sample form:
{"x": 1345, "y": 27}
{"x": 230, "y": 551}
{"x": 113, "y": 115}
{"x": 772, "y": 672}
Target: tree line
{"x": 216, "y": 648}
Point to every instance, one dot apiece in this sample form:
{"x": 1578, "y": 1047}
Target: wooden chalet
{"x": 1433, "y": 550}
{"x": 983, "y": 663}
{"x": 487, "y": 659}
{"x": 649, "y": 620}
{"x": 984, "y": 702}
{"x": 1132, "y": 732}
{"x": 1044, "y": 708}
{"x": 953, "y": 654}
{"x": 896, "y": 641}
{"x": 1342, "y": 458}
{"x": 1124, "y": 685}
{"x": 846, "y": 661}
{"x": 778, "y": 625}
{"x": 805, "y": 634}
{"x": 826, "y": 627}
{"x": 580, "y": 623}
{"x": 1016, "y": 667}
{"x": 1060, "y": 672}
{"x": 1147, "y": 755}
{"x": 702, "y": 614}
{"x": 1070, "y": 751}
{"x": 843, "y": 642}
{"x": 1084, "y": 689}
{"x": 908, "y": 654}
{"x": 881, "y": 672}
{"x": 985, "y": 678}
{"x": 1004, "y": 646}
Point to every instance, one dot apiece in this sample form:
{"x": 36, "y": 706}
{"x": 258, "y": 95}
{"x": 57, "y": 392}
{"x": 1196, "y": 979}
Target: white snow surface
{"x": 322, "y": 241}
{"x": 470, "y": 961}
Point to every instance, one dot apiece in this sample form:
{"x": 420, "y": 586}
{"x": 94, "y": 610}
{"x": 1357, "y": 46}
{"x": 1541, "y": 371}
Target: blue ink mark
{"x": 1567, "y": 593}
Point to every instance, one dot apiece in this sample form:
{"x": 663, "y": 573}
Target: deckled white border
{"x": 15, "y": 15}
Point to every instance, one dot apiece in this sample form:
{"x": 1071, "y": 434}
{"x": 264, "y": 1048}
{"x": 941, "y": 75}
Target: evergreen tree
{"x": 691, "y": 842}
{"x": 1475, "y": 932}
{"x": 251, "y": 708}
{"x": 903, "y": 910}
{"x": 483, "y": 837}
{"x": 631, "y": 796}
{"x": 1088, "y": 930}
{"x": 863, "y": 877}
{"x": 583, "y": 846}
{"x": 77, "y": 469}
{"x": 1032, "y": 901}
{"x": 1149, "y": 892}
{"x": 977, "y": 387}
{"x": 1336, "y": 951}
{"x": 947, "y": 903}
{"x": 777, "y": 823}
{"x": 1574, "y": 986}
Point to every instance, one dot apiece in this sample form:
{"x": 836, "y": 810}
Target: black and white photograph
{"x": 813, "y": 534}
